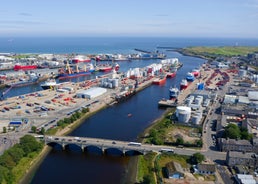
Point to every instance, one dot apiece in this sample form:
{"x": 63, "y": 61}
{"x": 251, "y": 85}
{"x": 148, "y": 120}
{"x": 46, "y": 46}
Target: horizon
{"x": 145, "y": 18}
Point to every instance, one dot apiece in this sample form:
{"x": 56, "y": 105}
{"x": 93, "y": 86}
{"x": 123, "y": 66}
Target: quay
{"x": 44, "y": 108}
{"x": 203, "y": 77}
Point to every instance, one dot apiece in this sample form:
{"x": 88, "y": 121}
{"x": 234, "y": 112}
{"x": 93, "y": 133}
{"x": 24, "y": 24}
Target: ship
{"x": 48, "y": 84}
{"x": 171, "y": 73}
{"x": 190, "y": 77}
{"x": 70, "y": 73}
{"x": 24, "y": 67}
{"x": 80, "y": 58}
{"x": 195, "y": 72}
{"x": 183, "y": 84}
{"x": 173, "y": 92}
{"x": 107, "y": 67}
{"x": 124, "y": 95}
{"x": 160, "y": 81}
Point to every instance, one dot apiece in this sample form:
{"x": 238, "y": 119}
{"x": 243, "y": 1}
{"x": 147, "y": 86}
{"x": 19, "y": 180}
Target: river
{"x": 112, "y": 123}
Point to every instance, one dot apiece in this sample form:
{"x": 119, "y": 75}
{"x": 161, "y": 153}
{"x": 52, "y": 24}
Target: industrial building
{"x": 91, "y": 93}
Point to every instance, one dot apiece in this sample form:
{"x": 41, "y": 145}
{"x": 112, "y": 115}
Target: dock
{"x": 167, "y": 103}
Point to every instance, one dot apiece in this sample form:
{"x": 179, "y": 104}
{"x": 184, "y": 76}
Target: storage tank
{"x": 110, "y": 85}
{"x": 183, "y": 117}
{"x": 242, "y": 73}
{"x": 189, "y": 100}
{"x": 115, "y": 83}
{"x": 183, "y": 113}
{"x": 195, "y": 120}
{"x": 198, "y": 100}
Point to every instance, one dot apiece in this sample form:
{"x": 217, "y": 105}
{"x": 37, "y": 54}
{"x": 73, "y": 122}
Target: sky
{"x": 159, "y": 18}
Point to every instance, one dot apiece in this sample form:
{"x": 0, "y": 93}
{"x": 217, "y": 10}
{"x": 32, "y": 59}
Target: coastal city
{"x": 212, "y": 113}
{"x": 129, "y": 92}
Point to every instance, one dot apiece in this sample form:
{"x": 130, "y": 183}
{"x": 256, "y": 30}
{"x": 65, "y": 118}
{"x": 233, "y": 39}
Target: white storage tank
{"x": 195, "y": 119}
{"x": 242, "y": 73}
{"x": 183, "y": 113}
{"x": 115, "y": 83}
{"x": 183, "y": 117}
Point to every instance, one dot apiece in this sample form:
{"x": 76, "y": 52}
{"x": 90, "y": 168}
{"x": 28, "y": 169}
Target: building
{"x": 234, "y": 145}
{"x": 245, "y": 179}
{"x": 234, "y": 158}
{"x": 91, "y": 93}
{"x": 174, "y": 170}
{"x": 206, "y": 168}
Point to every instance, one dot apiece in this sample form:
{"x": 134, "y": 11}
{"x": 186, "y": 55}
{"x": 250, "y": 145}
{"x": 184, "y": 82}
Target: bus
{"x": 134, "y": 144}
{"x": 167, "y": 150}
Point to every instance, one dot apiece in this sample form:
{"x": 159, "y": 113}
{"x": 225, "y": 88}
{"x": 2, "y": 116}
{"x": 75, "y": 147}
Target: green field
{"x": 222, "y": 51}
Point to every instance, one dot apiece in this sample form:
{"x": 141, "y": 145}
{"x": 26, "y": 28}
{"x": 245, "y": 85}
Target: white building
{"x": 91, "y": 93}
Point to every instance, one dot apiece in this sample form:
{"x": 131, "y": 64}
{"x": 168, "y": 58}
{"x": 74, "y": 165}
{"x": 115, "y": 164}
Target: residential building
{"x": 234, "y": 158}
{"x": 234, "y": 145}
{"x": 174, "y": 170}
{"x": 206, "y": 168}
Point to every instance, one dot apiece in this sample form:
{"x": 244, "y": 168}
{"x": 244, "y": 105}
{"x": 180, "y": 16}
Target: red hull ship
{"x": 171, "y": 74}
{"x": 24, "y": 67}
{"x": 160, "y": 81}
{"x": 195, "y": 72}
{"x": 183, "y": 84}
{"x": 80, "y": 58}
{"x": 108, "y": 68}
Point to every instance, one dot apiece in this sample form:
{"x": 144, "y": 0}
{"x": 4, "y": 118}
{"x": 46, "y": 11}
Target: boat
{"x": 195, "y": 72}
{"x": 190, "y": 77}
{"x": 171, "y": 73}
{"x": 70, "y": 73}
{"x": 48, "y": 84}
{"x": 160, "y": 81}
{"x": 124, "y": 95}
{"x": 108, "y": 67}
{"x": 173, "y": 92}
{"x": 183, "y": 84}
{"x": 24, "y": 67}
{"x": 80, "y": 58}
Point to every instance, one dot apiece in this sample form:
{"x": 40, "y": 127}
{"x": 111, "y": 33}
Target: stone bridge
{"x": 103, "y": 144}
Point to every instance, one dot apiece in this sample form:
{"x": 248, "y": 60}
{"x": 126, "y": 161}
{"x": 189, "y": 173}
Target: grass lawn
{"x": 223, "y": 51}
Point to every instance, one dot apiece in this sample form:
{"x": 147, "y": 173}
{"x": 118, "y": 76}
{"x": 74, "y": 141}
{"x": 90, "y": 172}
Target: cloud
{"x": 20, "y": 22}
{"x": 25, "y": 14}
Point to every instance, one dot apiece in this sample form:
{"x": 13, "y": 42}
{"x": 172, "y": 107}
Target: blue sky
{"x": 168, "y": 18}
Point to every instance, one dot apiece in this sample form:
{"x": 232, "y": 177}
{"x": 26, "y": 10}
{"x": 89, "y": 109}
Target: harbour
{"x": 142, "y": 111}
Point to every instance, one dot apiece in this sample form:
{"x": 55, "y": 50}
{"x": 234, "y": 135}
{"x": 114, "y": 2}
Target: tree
{"x": 29, "y": 144}
{"x": 4, "y": 129}
{"x": 232, "y": 131}
{"x": 197, "y": 158}
{"x": 179, "y": 141}
{"x": 42, "y": 131}
{"x": 34, "y": 129}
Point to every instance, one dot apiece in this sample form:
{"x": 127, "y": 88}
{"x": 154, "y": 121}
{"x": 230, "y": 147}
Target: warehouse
{"x": 91, "y": 93}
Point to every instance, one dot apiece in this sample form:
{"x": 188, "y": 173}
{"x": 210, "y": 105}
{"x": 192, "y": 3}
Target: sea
{"x": 95, "y": 45}
{"x": 74, "y": 166}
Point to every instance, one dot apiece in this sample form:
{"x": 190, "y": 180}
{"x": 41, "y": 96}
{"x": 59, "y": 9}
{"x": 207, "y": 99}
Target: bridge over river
{"x": 125, "y": 147}
{"x": 105, "y": 144}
